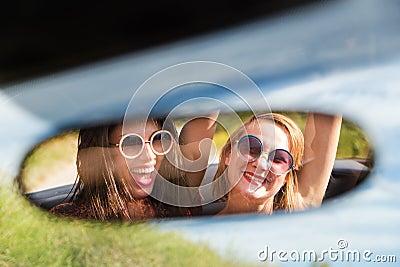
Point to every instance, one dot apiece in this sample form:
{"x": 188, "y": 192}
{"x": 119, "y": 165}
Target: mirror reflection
{"x": 212, "y": 164}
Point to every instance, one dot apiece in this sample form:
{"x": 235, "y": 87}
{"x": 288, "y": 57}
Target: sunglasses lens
{"x": 250, "y": 147}
{"x": 281, "y": 161}
{"x": 161, "y": 142}
{"x": 131, "y": 145}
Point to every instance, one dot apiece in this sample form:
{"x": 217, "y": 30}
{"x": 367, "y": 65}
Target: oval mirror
{"x": 204, "y": 165}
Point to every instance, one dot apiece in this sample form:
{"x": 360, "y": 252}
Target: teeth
{"x": 143, "y": 170}
{"x": 255, "y": 179}
{"x": 143, "y": 179}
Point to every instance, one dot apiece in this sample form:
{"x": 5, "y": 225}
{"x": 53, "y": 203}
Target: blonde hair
{"x": 285, "y": 199}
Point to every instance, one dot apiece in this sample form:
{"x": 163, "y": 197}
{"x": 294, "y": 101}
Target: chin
{"x": 260, "y": 193}
{"x": 255, "y": 195}
{"x": 140, "y": 191}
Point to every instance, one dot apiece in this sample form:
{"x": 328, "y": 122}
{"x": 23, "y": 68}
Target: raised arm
{"x": 195, "y": 143}
{"x": 321, "y": 139}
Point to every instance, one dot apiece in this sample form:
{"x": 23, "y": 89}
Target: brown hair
{"x": 285, "y": 199}
{"x": 102, "y": 192}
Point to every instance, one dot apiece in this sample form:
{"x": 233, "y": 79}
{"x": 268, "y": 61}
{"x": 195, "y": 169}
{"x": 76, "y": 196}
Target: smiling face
{"x": 254, "y": 180}
{"x": 143, "y": 168}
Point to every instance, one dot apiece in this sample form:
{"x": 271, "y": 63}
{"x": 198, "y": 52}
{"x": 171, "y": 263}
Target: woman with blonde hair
{"x": 267, "y": 165}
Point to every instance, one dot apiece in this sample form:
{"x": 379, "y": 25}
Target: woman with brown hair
{"x": 117, "y": 173}
{"x": 267, "y": 165}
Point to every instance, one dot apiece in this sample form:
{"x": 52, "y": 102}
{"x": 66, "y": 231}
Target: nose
{"x": 261, "y": 163}
{"x": 147, "y": 153}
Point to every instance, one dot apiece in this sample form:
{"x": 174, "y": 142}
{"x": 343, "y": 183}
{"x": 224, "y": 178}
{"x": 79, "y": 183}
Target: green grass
{"x": 31, "y": 237}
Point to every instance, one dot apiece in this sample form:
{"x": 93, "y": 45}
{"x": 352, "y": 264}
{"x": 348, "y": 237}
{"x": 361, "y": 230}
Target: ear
{"x": 227, "y": 158}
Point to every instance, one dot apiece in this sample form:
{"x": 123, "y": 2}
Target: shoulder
{"x": 164, "y": 210}
{"x": 300, "y": 202}
{"x": 64, "y": 208}
{"x": 72, "y": 210}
